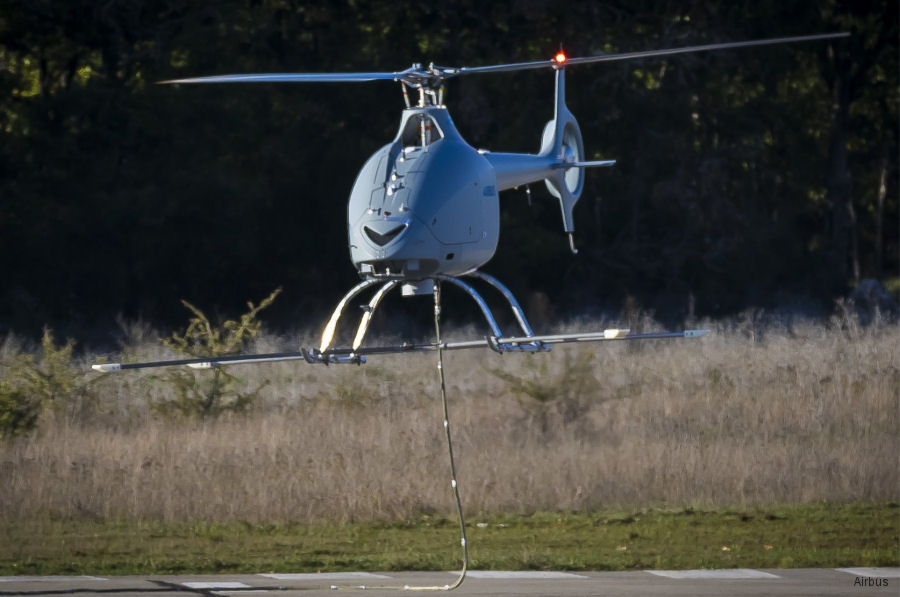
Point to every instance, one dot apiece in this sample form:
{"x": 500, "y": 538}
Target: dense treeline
{"x": 758, "y": 177}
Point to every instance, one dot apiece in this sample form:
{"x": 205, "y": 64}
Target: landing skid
{"x": 326, "y": 354}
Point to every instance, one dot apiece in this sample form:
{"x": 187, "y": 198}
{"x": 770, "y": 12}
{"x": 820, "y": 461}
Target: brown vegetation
{"x": 801, "y": 414}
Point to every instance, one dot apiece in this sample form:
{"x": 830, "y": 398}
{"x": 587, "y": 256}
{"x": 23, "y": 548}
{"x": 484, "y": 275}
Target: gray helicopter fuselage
{"x": 425, "y": 204}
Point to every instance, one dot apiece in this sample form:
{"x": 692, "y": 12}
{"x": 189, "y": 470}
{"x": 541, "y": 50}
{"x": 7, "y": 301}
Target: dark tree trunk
{"x": 879, "y": 214}
{"x": 839, "y": 182}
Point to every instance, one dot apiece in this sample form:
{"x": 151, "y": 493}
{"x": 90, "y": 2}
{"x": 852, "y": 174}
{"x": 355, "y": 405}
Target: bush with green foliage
{"x": 18, "y": 411}
{"x": 554, "y": 390}
{"x": 203, "y": 394}
{"x": 46, "y": 380}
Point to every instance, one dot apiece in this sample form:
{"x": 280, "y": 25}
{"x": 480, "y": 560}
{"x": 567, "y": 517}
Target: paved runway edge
{"x": 667, "y": 583}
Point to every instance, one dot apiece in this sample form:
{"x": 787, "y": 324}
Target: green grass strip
{"x": 783, "y": 536}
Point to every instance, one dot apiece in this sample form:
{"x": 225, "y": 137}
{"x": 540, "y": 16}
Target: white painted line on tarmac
{"x": 222, "y": 584}
{"x": 524, "y": 574}
{"x": 48, "y": 578}
{"x": 875, "y": 572}
{"x": 323, "y": 576}
{"x": 731, "y": 574}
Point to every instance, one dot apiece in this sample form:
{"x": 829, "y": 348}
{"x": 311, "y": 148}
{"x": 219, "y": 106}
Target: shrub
{"x": 18, "y": 411}
{"x": 553, "y": 389}
{"x": 203, "y": 394}
{"x": 46, "y": 380}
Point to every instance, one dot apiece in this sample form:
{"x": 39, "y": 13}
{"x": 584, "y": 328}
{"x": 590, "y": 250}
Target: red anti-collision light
{"x": 560, "y": 58}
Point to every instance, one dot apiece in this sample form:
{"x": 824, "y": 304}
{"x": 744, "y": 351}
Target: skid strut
{"x": 326, "y": 355}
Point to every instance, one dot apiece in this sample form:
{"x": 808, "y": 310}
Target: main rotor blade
{"x": 291, "y": 78}
{"x": 642, "y": 54}
{"x": 417, "y": 76}
{"x": 499, "y": 68}
{"x": 704, "y": 48}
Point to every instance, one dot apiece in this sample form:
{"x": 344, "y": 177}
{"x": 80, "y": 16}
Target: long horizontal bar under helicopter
{"x": 348, "y": 355}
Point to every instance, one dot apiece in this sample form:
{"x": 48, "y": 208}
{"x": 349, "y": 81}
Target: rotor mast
{"x": 428, "y": 82}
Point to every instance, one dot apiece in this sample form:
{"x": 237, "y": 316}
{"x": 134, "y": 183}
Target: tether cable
{"x": 453, "y": 483}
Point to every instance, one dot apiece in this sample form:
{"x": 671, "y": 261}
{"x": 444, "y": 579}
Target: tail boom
{"x": 560, "y": 162}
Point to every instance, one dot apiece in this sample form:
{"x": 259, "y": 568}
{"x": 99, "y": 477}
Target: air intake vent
{"x": 383, "y": 239}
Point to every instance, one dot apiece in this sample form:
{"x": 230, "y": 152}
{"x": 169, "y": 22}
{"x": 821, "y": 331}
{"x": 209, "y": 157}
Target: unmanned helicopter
{"x": 424, "y": 209}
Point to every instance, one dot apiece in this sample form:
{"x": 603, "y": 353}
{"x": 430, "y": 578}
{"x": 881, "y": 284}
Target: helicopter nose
{"x": 384, "y": 234}
{"x": 381, "y": 232}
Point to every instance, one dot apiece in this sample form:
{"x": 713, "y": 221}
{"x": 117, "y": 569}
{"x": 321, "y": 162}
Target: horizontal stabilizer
{"x": 595, "y": 164}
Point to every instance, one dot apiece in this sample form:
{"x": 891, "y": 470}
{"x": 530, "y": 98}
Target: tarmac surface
{"x": 738, "y": 582}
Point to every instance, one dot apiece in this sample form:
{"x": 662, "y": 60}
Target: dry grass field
{"x": 752, "y": 414}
